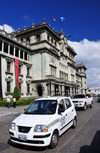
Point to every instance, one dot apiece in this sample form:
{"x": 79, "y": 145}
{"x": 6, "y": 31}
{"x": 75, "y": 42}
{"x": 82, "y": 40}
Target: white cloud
{"x": 7, "y": 28}
{"x": 88, "y": 53}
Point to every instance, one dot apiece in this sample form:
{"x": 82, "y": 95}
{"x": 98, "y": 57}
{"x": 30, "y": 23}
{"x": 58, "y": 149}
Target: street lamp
{"x": 69, "y": 36}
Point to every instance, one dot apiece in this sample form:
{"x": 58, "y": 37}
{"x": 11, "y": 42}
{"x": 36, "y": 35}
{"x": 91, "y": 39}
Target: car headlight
{"x": 13, "y": 126}
{"x": 40, "y": 128}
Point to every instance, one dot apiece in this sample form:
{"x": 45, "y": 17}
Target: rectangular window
{"x": 19, "y": 69}
{"x": 21, "y": 54}
{"x": 8, "y": 66}
{"x": 28, "y": 88}
{"x": 60, "y": 74}
{"x": 21, "y": 39}
{"x": 48, "y": 38}
{"x": 37, "y": 38}
{"x": 72, "y": 71}
{"x": 68, "y": 103}
{"x": 25, "y": 56}
{"x": 28, "y": 40}
{"x": 5, "y": 47}
{"x": 66, "y": 76}
{"x": 51, "y": 41}
{"x": 8, "y": 86}
{"x": 17, "y": 52}
{"x": 0, "y": 45}
{"x": 72, "y": 77}
{"x": 55, "y": 43}
{"x": 53, "y": 70}
{"x": 28, "y": 71}
{"x": 11, "y": 50}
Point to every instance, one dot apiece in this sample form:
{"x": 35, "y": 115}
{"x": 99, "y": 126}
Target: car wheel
{"x": 85, "y": 107}
{"x": 91, "y": 104}
{"x": 54, "y": 140}
{"x": 74, "y": 122}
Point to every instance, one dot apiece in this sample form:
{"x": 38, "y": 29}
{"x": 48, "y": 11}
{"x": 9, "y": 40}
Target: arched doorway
{"x": 39, "y": 90}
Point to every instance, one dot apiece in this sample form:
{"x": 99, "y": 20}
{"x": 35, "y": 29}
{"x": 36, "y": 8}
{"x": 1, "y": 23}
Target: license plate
{"x": 22, "y": 137}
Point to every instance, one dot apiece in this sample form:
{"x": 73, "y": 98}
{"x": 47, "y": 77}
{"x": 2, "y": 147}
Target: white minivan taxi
{"x": 43, "y": 122}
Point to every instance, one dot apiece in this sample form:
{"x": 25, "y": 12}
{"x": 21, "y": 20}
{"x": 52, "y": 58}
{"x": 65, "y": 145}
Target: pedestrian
{"x": 8, "y": 102}
{"x": 14, "y": 102}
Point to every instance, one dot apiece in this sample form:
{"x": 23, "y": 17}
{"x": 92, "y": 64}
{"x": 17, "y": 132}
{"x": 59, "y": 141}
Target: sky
{"x": 82, "y": 21}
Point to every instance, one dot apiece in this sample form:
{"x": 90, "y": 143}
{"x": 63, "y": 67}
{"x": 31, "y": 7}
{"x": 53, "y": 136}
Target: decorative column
{"x": 14, "y": 51}
{"x": 24, "y": 55}
{"x": 27, "y": 57}
{"x": 8, "y": 49}
{"x": 63, "y": 89}
{"x": 19, "y": 53}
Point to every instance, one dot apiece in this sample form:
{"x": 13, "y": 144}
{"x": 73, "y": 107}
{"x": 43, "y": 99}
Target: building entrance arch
{"x": 40, "y": 90}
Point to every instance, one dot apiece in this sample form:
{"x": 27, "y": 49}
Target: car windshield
{"x": 79, "y": 96}
{"x": 42, "y": 107}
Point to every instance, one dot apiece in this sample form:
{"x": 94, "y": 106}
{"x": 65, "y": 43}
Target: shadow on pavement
{"x": 23, "y": 147}
{"x": 94, "y": 147}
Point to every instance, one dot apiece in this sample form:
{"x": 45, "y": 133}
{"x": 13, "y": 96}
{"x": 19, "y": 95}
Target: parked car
{"x": 82, "y": 101}
{"x": 90, "y": 99}
{"x": 98, "y": 98}
{"x": 43, "y": 122}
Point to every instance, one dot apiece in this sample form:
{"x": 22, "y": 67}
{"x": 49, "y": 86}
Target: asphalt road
{"x": 85, "y": 138}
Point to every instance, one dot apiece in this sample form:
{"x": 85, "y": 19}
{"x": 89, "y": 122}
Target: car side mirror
{"x": 60, "y": 111}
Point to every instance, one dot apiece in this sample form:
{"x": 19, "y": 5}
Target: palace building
{"x": 46, "y": 63}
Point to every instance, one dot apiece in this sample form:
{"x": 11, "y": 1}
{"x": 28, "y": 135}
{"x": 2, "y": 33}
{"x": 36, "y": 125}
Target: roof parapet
{"x": 80, "y": 66}
{"x": 13, "y": 38}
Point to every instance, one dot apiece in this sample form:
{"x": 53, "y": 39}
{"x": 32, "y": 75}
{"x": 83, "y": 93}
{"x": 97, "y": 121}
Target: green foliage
{"x": 16, "y": 93}
{"x": 19, "y": 102}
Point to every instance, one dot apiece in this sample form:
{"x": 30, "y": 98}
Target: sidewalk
{"x": 7, "y": 111}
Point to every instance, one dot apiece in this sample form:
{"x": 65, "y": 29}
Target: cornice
{"x": 42, "y": 50}
{"x": 36, "y": 27}
{"x": 44, "y": 41}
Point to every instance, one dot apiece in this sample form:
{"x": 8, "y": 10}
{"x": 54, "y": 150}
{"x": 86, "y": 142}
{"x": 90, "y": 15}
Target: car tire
{"x": 74, "y": 122}
{"x": 85, "y": 106}
{"x": 91, "y": 104}
{"x": 54, "y": 140}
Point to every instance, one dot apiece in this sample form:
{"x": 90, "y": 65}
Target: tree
{"x": 16, "y": 93}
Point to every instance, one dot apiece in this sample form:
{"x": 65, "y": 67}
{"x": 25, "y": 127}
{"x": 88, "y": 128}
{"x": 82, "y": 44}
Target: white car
{"x": 43, "y": 122}
{"x": 82, "y": 101}
{"x": 90, "y": 100}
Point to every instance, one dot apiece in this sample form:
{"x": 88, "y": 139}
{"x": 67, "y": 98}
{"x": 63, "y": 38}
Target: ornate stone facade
{"x": 46, "y": 63}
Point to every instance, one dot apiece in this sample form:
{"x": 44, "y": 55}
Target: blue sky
{"x": 82, "y": 21}
{"x": 82, "y": 17}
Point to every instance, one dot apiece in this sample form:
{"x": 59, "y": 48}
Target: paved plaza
{"x": 7, "y": 111}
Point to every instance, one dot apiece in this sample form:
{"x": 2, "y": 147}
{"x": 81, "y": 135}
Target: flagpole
{"x": 54, "y": 26}
{"x": 61, "y": 22}
{"x": 54, "y": 20}
{"x": 61, "y": 26}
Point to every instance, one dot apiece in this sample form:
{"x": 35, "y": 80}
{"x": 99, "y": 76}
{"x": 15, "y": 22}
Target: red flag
{"x": 54, "y": 19}
{"x": 17, "y": 71}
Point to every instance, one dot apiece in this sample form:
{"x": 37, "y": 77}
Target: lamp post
{"x": 69, "y": 36}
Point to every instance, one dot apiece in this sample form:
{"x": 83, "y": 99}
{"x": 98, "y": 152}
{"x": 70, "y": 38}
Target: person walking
{"x": 8, "y": 102}
{"x": 14, "y": 102}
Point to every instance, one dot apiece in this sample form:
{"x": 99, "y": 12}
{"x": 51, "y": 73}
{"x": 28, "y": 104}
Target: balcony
{"x": 53, "y": 78}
